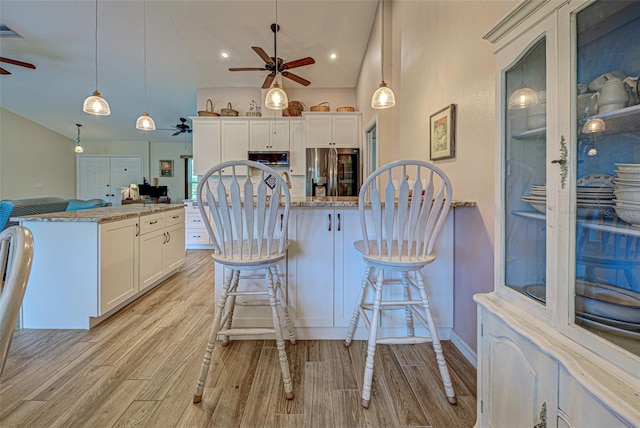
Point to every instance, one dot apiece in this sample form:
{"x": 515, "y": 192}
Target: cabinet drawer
{"x": 174, "y": 217}
{"x": 194, "y": 220}
{"x": 197, "y": 236}
{"x": 151, "y": 223}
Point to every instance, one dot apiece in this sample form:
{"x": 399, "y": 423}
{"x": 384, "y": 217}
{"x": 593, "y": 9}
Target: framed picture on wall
{"x": 166, "y": 168}
{"x": 442, "y": 133}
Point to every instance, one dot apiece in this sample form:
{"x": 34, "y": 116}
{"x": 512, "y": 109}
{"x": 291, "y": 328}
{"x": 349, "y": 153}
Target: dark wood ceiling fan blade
{"x": 247, "y": 69}
{"x": 296, "y": 78}
{"x": 262, "y": 54}
{"x": 18, "y": 63}
{"x": 267, "y": 81}
{"x": 3, "y": 71}
{"x": 298, "y": 63}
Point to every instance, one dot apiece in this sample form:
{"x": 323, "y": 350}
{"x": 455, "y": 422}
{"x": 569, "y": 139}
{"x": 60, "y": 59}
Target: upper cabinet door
{"x": 346, "y": 130}
{"x": 235, "y": 140}
{"x": 206, "y": 144}
{"x": 319, "y": 131}
{"x": 605, "y": 203}
{"x": 527, "y": 102}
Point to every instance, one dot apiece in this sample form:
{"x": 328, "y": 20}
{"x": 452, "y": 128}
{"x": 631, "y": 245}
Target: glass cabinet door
{"x": 524, "y": 186}
{"x": 607, "y": 186}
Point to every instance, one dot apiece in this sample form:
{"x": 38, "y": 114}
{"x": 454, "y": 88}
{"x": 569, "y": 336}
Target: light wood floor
{"x": 139, "y": 369}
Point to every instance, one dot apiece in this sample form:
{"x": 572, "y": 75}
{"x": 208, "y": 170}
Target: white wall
{"x": 152, "y": 152}
{"x": 438, "y": 57}
{"x": 34, "y": 161}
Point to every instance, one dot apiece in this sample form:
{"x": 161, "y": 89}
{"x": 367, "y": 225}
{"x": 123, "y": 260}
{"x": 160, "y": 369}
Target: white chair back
{"x": 16, "y": 256}
{"x": 399, "y": 225}
{"x": 245, "y": 225}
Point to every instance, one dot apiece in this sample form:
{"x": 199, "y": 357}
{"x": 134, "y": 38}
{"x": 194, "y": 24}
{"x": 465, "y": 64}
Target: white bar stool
{"x": 399, "y": 234}
{"x": 249, "y": 238}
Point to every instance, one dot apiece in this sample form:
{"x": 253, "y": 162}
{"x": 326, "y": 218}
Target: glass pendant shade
{"x": 78, "y": 149}
{"x": 145, "y": 122}
{"x": 522, "y": 98}
{"x": 276, "y": 98}
{"x": 383, "y": 97}
{"x": 593, "y": 125}
{"x": 97, "y": 105}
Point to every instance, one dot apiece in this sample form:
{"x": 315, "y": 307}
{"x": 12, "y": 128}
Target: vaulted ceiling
{"x": 184, "y": 42}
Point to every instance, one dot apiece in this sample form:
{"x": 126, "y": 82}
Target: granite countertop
{"x": 101, "y": 215}
{"x": 341, "y": 201}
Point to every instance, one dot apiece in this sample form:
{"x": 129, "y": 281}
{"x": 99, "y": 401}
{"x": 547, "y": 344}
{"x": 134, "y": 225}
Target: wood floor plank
{"x": 137, "y": 414}
{"x": 317, "y": 400}
{"x": 139, "y": 369}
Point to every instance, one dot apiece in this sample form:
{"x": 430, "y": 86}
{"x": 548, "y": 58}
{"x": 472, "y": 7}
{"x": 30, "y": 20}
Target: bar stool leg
{"x": 283, "y": 305}
{"x": 282, "y": 354}
{"x": 359, "y": 302}
{"x": 371, "y": 345}
{"x": 204, "y": 370}
{"x": 407, "y": 309}
{"x": 232, "y": 305}
{"x": 435, "y": 340}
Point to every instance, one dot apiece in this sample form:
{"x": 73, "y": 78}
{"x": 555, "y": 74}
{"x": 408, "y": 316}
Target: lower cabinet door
{"x": 151, "y": 257}
{"x": 119, "y": 251}
{"x": 174, "y": 248}
{"x": 518, "y": 382}
{"x": 311, "y": 294}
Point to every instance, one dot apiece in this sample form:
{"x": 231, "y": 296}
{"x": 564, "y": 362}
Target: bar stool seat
{"x": 249, "y": 238}
{"x": 398, "y": 242}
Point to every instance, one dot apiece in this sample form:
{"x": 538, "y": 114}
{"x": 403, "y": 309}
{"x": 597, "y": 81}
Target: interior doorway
{"x": 370, "y": 148}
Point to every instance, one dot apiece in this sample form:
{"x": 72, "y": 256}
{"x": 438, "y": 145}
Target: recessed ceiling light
{"x": 333, "y": 55}
{"x": 224, "y": 54}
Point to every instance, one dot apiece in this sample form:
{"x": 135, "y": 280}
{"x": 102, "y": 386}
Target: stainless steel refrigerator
{"x": 333, "y": 172}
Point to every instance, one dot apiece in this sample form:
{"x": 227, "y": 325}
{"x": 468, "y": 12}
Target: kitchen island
{"x": 323, "y": 272}
{"x": 88, "y": 264}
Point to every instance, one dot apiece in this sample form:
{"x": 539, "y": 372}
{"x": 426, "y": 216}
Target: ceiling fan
{"x": 277, "y": 65}
{"x": 14, "y": 62}
{"x": 180, "y": 128}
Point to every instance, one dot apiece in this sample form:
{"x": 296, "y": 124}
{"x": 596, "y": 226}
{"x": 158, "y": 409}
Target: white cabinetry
{"x": 119, "y": 249}
{"x": 297, "y": 150}
{"x": 196, "y": 235}
{"x": 101, "y": 177}
{"x": 332, "y": 129}
{"x": 206, "y": 144}
{"x": 162, "y": 245}
{"x": 85, "y": 271}
{"x": 235, "y": 140}
{"x": 561, "y": 255}
{"x": 269, "y": 135}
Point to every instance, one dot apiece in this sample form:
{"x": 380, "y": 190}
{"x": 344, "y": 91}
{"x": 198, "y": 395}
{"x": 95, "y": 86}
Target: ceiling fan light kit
{"x": 95, "y": 104}
{"x": 383, "y": 97}
{"x": 276, "y": 98}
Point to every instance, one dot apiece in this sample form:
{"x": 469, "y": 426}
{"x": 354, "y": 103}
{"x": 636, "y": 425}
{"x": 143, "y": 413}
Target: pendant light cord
{"x": 144, "y": 26}
{"x": 96, "y": 40}
{"x": 382, "y": 42}
{"x": 275, "y": 42}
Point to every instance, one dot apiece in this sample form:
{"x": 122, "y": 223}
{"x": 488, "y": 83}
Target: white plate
{"x": 607, "y": 328}
{"x": 596, "y": 180}
{"x": 628, "y": 166}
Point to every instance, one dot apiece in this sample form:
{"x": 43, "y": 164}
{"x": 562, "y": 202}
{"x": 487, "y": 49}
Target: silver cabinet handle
{"x": 153, "y": 222}
{"x": 329, "y": 222}
{"x": 137, "y": 229}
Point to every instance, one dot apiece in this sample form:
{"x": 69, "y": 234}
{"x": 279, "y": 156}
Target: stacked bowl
{"x": 627, "y": 192}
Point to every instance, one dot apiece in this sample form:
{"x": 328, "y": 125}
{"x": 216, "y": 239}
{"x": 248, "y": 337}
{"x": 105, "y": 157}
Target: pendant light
{"x": 383, "y": 97}
{"x": 78, "y": 148}
{"x": 522, "y": 98}
{"x": 276, "y": 98}
{"x": 145, "y": 122}
{"x": 95, "y": 104}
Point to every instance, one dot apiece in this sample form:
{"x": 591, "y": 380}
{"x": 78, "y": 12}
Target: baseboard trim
{"x": 468, "y": 353}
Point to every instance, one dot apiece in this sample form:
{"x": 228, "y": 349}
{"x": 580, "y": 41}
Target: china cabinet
{"x": 565, "y": 312}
